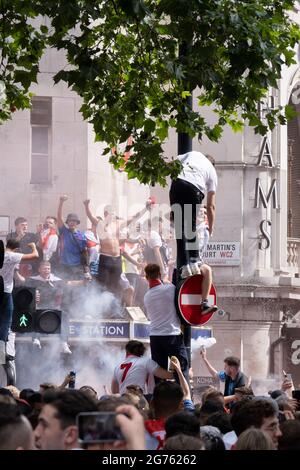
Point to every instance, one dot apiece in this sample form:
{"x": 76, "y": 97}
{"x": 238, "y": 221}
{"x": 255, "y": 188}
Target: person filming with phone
{"x": 121, "y": 429}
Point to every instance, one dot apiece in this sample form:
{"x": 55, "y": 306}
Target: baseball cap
{"x": 73, "y": 217}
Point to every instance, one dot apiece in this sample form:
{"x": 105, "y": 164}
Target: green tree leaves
{"x": 125, "y": 64}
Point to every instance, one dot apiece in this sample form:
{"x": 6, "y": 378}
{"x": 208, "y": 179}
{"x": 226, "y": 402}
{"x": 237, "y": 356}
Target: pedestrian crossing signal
{"x": 24, "y": 309}
{"x": 27, "y": 319}
{"x": 22, "y": 322}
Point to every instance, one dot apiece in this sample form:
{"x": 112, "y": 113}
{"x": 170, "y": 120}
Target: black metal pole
{"x": 185, "y": 144}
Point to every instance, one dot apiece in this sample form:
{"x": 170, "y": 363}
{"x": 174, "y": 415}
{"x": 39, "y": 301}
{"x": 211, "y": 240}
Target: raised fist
{"x": 32, "y": 245}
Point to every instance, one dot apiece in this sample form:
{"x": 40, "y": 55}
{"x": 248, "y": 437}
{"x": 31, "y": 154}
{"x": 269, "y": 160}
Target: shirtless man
{"x": 109, "y": 229}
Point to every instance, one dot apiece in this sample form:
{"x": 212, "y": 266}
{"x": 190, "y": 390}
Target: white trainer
{"x": 65, "y": 348}
{"x": 185, "y": 271}
{"x": 36, "y": 342}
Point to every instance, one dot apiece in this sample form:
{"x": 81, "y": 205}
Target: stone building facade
{"x": 50, "y": 151}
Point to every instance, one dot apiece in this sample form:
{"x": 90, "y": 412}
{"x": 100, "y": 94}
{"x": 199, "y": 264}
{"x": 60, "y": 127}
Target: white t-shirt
{"x": 199, "y": 171}
{"x": 154, "y": 239}
{"x": 134, "y": 370}
{"x": 11, "y": 260}
{"x": 93, "y": 245}
{"x": 160, "y": 306}
{"x": 129, "y": 267}
{"x": 50, "y": 246}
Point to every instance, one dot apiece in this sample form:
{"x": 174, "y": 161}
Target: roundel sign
{"x": 189, "y": 300}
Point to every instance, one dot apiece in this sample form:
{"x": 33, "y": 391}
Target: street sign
{"x": 189, "y": 300}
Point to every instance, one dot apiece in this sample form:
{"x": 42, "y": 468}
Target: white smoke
{"x": 196, "y": 344}
{"x": 93, "y": 361}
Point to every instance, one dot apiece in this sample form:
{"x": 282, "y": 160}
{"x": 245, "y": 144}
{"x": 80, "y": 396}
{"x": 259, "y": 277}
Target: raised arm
{"x": 183, "y": 383}
{"x": 132, "y": 260}
{"x": 60, "y": 220}
{"x": 34, "y": 253}
{"x": 94, "y": 221}
{"x": 159, "y": 261}
{"x": 211, "y": 210}
{"x": 209, "y": 367}
{"x": 135, "y": 217}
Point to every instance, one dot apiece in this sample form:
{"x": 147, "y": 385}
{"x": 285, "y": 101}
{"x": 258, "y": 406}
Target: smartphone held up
{"x": 96, "y": 427}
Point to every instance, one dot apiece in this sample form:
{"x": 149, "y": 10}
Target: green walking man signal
{"x": 23, "y": 320}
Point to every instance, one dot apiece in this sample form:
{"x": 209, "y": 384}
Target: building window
{"x": 41, "y": 122}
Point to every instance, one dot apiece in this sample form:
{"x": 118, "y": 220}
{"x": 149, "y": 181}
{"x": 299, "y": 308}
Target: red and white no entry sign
{"x": 189, "y": 300}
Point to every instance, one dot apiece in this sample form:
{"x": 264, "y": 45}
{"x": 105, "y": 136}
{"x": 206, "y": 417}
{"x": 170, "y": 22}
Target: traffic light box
{"x": 24, "y": 309}
{"x": 47, "y": 321}
{"x": 27, "y": 319}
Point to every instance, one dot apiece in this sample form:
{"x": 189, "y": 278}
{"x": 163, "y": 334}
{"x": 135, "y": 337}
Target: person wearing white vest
{"x": 197, "y": 178}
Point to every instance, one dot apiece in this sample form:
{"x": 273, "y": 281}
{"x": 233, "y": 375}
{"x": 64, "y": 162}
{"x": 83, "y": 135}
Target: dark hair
{"x": 47, "y": 386}
{"x": 134, "y": 389}
{"x": 185, "y": 422}
{"x": 152, "y": 271}
{"x": 135, "y": 347}
{"x": 251, "y": 413}
{"x": 166, "y": 398}
{"x": 51, "y": 217}
{"x": 183, "y": 442}
{"x": 276, "y": 393}
{"x": 112, "y": 402}
{"x": 221, "y": 421}
{"x": 13, "y": 428}
{"x": 68, "y": 403}
{"x": 232, "y": 361}
{"x": 212, "y": 394}
{"x": 290, "y": 439}
{"x": 5, "y": 392}
{"x": 244, "y": 391}
{"x": 139, "y": 401}
{"x": 212, "y": 405}
{"x": 26, "y": 393}
{"x": 89, "y": 390}
{"x": 12, "y": 244}
{"x": 20, "y": 220}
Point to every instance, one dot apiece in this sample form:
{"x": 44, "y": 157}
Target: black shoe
{"x": 207, "y": 308}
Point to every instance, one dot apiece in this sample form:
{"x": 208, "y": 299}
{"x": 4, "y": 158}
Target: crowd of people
{"x": 150, "y": 403}
{"x": 66, "y": 265}
{"x": 127, "y": 417}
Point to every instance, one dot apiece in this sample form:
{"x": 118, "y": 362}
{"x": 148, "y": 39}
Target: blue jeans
{"x": 6, "y": 313}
